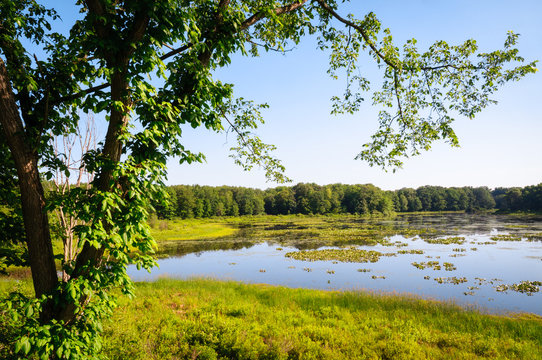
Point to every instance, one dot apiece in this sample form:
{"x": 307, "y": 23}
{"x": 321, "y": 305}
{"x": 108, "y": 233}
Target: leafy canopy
{"x": 147, "y": 67}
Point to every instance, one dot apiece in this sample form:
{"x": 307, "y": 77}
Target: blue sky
{"x": 502, "y": 146}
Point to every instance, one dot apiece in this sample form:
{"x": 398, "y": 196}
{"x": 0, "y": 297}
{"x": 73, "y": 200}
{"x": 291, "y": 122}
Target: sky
{"x": 502, "y": 146}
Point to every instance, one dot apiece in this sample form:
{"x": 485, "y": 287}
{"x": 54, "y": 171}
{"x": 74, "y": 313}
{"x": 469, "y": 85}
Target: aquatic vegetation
{"x": 307, "y": 269}
{"x": 378, "y": 277}
{"x": 459, "y": 250}
{"x": 474, "y": 249}
{"x": 482, "y": 281}
{"x": 293, "y": 230}
{"x": 459, "y": 240}
{"x": 458, "y": 255}
{"x": 525, "y": 287}
{"x": 533, "y": 237}
{"x": 485, "y": 243}
{"x": 451, "y": 280}
{"x": 398, "y": 244}
{"x": 435, "y": 265}
{"x": 411, "y": 251}
{"x": 279, "y": 249}
{"x": 318, "y": 229}
{"x": 262, "y": 270}
{"x": 330, "y": 271}
{"x": 427, "y": 277}
{"x": 506, "y": 238}
{"x": 364, "y": 270}
{"x": 343, "y": 255}
{"x": 386, "y": 242}
{"x": 232, "y": 263}
{"x": 291, "y": 267}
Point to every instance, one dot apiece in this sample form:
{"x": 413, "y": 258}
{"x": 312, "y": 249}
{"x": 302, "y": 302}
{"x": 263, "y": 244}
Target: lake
{"x": 491, "y": 262}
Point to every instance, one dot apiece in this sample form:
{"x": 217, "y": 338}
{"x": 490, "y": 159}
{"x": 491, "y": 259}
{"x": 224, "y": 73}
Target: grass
{"x": 190, "y": 229}
{"x": 206, "y": 319}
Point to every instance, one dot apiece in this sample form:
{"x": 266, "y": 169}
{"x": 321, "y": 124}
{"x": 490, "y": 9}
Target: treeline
{"x": 528, "y": 198}
{"x": 188, "y": 201}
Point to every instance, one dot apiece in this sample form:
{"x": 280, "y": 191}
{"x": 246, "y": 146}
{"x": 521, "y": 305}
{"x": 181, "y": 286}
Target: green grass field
{"x": 206, "y": 319}
{"x": 190, "y": 229}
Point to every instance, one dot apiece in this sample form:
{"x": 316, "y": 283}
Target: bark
{"x": 36, "y": 223}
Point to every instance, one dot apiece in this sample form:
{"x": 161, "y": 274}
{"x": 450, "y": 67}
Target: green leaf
{"x": 59, "y": 352}
{"x": 24, "y": 345}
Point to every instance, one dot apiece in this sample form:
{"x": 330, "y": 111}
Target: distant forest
{"x": 188, "y": 201}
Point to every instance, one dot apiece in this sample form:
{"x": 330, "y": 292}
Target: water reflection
{"x": 179, "y": 248}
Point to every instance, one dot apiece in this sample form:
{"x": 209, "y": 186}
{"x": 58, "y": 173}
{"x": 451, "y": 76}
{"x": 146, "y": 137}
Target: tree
{"x": 403, "y": 203}
{"x": 532, "y": 198}
{"x": 483, "y": 198}
{"x": 514, "y": 199}
{"x": 147, "y": 66}
{"x": 284, "y": 201}
{"x": 167, "y": 208}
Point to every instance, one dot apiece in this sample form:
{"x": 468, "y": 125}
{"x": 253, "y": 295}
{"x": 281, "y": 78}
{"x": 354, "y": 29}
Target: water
{"x": 491, "y": 265}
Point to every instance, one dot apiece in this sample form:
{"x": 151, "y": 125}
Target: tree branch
{"x": 82, "y": 93}
{"x": 396, "y": 87}
{"x": 270, "y": 48}
{"x": 176, "y": 51}
{"x": 106, "y": 85}
{"x": 278, "y": 11}
{"x": 373, "y": 47}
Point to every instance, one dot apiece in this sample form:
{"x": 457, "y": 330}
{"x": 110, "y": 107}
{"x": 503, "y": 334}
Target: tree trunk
{"x": 103, "y": 181}
{"x": 36, "y": 222}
